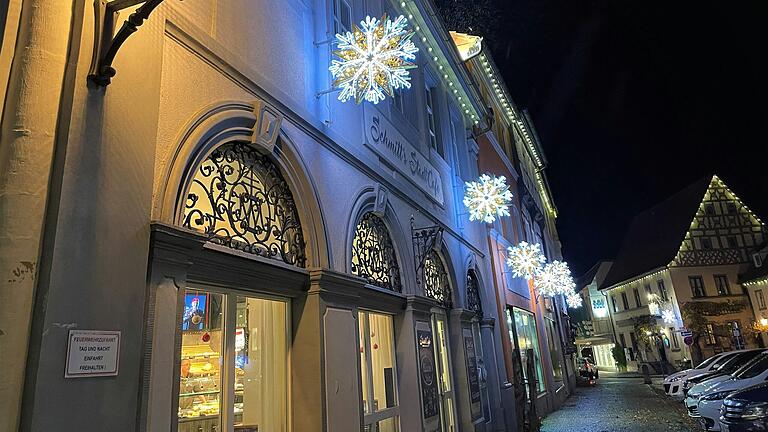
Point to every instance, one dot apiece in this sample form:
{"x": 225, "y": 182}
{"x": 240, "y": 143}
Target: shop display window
{"x": 378, "y": 372}
{"x": 444, "y": 364}
{"x": 553, "y": 337}
{"x": 522, "y": 326}
{"x": 234, "y": 364}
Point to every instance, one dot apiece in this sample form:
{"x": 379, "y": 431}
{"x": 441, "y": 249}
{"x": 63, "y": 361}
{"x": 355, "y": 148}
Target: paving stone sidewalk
{"x": 619, "y": 405}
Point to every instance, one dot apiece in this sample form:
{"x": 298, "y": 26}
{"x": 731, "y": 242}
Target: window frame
{"x": 722, "y": 278}
{"x": 636, "y": 293}
{"x": 661, "y": 287}
{"x": 374, "y": 417}
{"x": 760, "y": 299}
{"x": 699, "y": 284}
{"x": 624, "y": 300}
{"x": 336, "y": 19}
{"x": 227, "y": 357}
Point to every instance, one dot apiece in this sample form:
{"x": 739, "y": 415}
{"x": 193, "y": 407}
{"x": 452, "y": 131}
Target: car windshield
{"x": 722, "y": 360}
{"x": 757, "y": 366}
{"x": 738, "y": 361}
{"x": 707, "y": 362}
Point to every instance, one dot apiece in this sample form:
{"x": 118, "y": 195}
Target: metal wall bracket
{"x": 425, "y": 240}
{"x": 107, "y": 42}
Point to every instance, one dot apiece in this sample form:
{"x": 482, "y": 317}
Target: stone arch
{"x": 369, "y": 200}
{"x": 233, "y": 121}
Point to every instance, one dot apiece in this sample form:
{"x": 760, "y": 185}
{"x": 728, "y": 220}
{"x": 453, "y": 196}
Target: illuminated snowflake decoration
{"x": 488, "y": 198}
{"x": 668, "y": 315}
{"x": 573, "y": 300}
{"x": 554, "y": 278}
{"x": 374, "y": 59}
{"x": 525, "y": 259}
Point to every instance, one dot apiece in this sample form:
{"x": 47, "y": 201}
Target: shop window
{"x": 697, "y": 286}
{"x": 553, "y": 338}
{"x": 239, "y": 199}
{"x": 373, "y": 254}
{"x": 721, "y": 282}
{"x": 234, "y": 364}
{"x": 445, "y": 380}
{"x": 378, "y": 372}
{"x": 525, "y": 339}
{"x": 435, "y": 281}
{"x": 473, "y": 294}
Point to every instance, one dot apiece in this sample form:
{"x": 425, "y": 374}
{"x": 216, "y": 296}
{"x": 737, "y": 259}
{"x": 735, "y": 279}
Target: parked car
{"x": 587, "y": 370}
{"x": 746, "y": 410}
{"x": 728, "y": 367}
{"x": 711, "y": 401}
{"x": 673, "y": 383}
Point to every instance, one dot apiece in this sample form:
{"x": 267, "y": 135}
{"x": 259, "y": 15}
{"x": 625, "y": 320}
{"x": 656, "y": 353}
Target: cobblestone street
{"x": 618, "y": 405}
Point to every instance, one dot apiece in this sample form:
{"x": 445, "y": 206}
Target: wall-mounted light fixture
{"x": 107, "y": 42}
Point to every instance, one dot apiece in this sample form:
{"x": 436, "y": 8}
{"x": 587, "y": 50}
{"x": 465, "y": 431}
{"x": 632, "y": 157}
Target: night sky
{"x": 634, "y": 100}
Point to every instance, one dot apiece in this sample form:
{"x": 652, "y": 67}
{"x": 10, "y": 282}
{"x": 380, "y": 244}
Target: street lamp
{"x": 107, "y": 42}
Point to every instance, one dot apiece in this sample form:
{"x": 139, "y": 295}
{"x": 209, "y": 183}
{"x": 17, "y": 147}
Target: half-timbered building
{"x": 678, "y": 271}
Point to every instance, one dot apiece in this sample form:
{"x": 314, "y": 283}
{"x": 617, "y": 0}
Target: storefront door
{"x": 444, "y": 371}
{"x": 233, "y": 373}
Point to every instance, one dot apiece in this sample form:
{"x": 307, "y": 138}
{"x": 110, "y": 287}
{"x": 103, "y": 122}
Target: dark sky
{"x": 634, "y": 100}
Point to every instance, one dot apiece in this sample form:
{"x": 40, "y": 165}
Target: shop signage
{"x": 473, "y": 374}
{"x": 599, "y": 309}
{"x": 428, "y": 374}
{"x": 382, "y": 137}
{"x": 92, "y": 353}
{"x": 688, "y": 340}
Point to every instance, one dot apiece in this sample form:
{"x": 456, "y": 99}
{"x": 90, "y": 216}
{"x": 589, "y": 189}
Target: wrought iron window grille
{"x": 239, "y": 199}
{"x": 430, "y": 270}
{"x": 373, "y": 254}
{"x": 473, "y": 294}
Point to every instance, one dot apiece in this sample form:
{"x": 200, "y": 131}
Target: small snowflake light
{"x": 668, "y": 315}
{"x": 525, "y": 259}
{"x": 573, "y": 300}
{"x": 374, "y": 59}
{"x": 487, "y": 198}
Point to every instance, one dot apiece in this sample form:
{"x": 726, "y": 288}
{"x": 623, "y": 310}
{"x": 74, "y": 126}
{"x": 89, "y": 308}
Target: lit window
{"x": 526, "y": 339}
{"x": 711, "y": 340}
{"x": 255, "y": 339}
{"x": 721, "y": 282}
{"x": 378, "y": 372}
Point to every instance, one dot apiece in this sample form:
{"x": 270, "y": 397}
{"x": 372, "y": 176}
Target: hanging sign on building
{"x": 92, "y": 353}
{"x": 428, "y": 374}
{"x": 383, "y": 138}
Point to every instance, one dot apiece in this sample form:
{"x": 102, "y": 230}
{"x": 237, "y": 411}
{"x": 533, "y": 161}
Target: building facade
{"x": 595, "y": 335}
{"x": 247, "y": 251}
{"x": 677, "y": 272}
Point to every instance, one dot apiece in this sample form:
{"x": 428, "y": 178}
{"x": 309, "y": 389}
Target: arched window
{"x": 436, "y": 283}
{"x": 373, "y": 254}
{"x": 473, "y": 293}
{"x": 239, "y": 199}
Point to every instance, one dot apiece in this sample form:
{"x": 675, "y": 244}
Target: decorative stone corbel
{"x": 382, "y": 197}
{"x": 267, "y": 126}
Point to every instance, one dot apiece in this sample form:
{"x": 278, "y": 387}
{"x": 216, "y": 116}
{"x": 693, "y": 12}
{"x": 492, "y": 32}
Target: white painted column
{"x": 27, "y": 139}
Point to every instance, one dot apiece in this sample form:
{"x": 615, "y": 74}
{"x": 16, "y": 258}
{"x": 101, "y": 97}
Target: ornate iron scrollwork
{"x": 473, "y": 293}
{"x": 373, "y": 254}
{"x": 435, "y": 276}
{"x": 239, "y": 199}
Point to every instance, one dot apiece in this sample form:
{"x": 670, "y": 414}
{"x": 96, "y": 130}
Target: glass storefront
{"x": 444, "y": 370}
{"x": 378, "y": 372}
{"x": 553, "y": 338}
{"x": 524, "y": 337}
{"x": 234, "y": 364}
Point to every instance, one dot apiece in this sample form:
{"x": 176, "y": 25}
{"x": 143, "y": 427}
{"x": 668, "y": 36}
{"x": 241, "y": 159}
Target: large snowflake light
{"x": 525, "y": 259}
{"x": 374, "y": 59}
{"x": 487, "y": 198}
{"x": 554, "y": 278}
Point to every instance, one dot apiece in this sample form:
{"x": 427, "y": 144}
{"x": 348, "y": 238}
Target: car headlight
{"x": 755, "y": 411}
{"x": 716, "y": 395}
